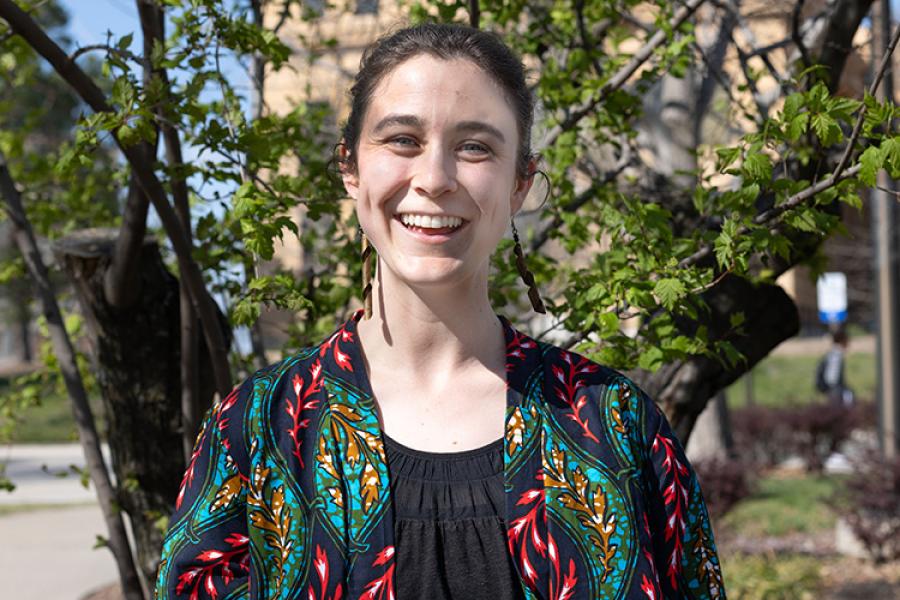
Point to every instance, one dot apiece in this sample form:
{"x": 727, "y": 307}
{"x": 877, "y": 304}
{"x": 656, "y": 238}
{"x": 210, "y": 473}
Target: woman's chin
{"x": 431, "y": 272}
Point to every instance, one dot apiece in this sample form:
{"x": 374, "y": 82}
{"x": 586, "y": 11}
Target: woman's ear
{"x": 348, "y": 173}
{"x": 523, "y": 186}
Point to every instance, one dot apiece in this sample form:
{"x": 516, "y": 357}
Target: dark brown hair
{"x": 444, "y": 41}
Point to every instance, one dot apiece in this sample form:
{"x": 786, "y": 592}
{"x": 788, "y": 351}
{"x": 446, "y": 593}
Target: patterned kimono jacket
{"x": 287, "y": 492}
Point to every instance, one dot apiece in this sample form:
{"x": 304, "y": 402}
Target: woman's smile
{"x": 431, "y": 229}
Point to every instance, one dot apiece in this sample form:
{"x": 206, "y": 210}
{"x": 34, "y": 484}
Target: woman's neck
{"x": 433, "y": 330}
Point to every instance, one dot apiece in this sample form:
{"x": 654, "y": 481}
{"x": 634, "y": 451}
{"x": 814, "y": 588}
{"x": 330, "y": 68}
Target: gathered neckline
{"x": 490, "y": 448}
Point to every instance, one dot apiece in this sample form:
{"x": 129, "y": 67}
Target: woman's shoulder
{"x": 567, "y": 366}
{"x": 586, "y": 392}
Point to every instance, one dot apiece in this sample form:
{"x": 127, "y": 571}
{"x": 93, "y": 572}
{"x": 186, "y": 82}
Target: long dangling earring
{"x": 536, "y": 303}
{"x": 367, "y": 252}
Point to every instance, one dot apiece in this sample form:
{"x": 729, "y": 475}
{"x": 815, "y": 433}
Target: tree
{"x": 690, "y": 249}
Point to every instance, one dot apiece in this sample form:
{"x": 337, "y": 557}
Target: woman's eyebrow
{"x": 482, "y": 127}
{"x": 406, "y": 120}
{"x": 416, "y": 122}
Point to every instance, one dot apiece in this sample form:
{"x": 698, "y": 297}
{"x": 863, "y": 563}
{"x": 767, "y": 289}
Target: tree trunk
{"x": 138, "y": 352}
{"x": 711, "y": 438}
{"x": 683, "y": 387}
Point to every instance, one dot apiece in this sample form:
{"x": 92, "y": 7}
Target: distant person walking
{"x": 830, "y": 372}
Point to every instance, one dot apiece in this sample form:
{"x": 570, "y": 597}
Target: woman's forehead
{"x": 437, "y": 91}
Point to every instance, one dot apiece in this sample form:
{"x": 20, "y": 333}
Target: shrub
{"x": 724, "y": 482}
{"x": 761, "y": 435}
{"x": 767, "y": 436}
{"x": 818, "y": 431}
{"x": 871, "y": 505}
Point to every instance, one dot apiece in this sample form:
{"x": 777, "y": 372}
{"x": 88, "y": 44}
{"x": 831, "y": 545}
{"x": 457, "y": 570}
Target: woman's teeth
{"x": 430, "y": 222}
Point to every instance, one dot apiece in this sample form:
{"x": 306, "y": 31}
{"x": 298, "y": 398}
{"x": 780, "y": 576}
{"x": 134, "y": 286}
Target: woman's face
{"x": 436, "y": 183}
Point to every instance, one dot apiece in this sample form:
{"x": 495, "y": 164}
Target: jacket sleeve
{"x": 206, "y": 551}
{"x": 687, "y": 565}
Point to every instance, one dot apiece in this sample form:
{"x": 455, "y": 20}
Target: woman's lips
{"x": 435, "y": 234}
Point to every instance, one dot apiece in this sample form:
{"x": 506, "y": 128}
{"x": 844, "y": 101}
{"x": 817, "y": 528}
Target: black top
{"x": 450, "y": 535}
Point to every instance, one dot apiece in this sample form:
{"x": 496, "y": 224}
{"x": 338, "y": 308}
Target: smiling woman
{"x": 431, "y": 450}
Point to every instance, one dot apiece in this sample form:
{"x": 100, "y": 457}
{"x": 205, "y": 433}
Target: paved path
{"x": 46, "y": 550}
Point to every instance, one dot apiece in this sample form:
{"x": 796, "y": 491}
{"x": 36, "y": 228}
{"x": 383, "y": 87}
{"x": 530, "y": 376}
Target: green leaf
{"x": 870, "y": 162}
{"x": 609, "y": 324}
{"x": 651, "y": 359}
{"x": 758, "y": 167}
{"x": 125, "y": 42}
{"x": 798, "y": 126}
{"x": 669, "y": 291}
{"x": 827, "y": 129}
{"x": 792, "y": 106}
{"x": 726, "y": 157}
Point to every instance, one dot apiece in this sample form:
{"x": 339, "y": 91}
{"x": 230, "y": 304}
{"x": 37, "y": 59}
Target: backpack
{"x": 821, "y": 384}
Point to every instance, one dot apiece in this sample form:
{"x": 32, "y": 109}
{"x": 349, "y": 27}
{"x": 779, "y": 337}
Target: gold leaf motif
{"x": 269, "y": 513}
{"x": 599, "y": 501}
{"x": 369, "y": 487}
{"x": 226, "y": 493}
{"x": 580, "y": 482}
{"x": 347, "y": 412}
{"x": 515, "y": 429}
{"x": 619, "y": 424}
{"x": 325, "y": 459}
{"x": 362, "y": 448}
{"x": 591, "y": 509}
{"x": 352, "y": 452}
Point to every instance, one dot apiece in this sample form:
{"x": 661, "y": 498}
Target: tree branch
{"x": 840, "y": 173}
{"x": 68, "y": 366}
{"x": 879, "y": 75}
{"x": 769, "y": 215}
{"x": 797, "y": 36}
{"x": 581, "y": 199}
{"x": 621, "y": 76}
{"x": 141, "y": 165}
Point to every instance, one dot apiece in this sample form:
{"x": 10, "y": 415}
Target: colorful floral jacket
{"x": 287, "y": 492}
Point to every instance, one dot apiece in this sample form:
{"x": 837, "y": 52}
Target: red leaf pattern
{"x": 341, "y": 358}
{"x": 221, "y": 565}
{"x": 515, "y": 348}
{"x": 675, "y": 496}
{"x": 524, "y": 529}
{"x": 560, "y": 590}
{"x": 304, "y": 402}
{"x": 322, "y": 569}
{"x": 188, "y": 478}
{"x": 567, "y": 379}
{"x": 381, "y": 587}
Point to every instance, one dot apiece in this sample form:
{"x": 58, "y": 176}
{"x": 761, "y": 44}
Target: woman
{"x": 431, "y": 450}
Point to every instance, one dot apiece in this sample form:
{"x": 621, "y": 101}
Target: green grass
{"x": 784, "y": 505}
{"x": 781, "y": 505}
{"x": 48, "y": 422}
{"x": 788, "y": 380}
{"x": 14, "y": 509}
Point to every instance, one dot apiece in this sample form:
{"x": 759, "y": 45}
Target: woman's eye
{"x": 475, "y": 148}
{"x": 403, "y": 141}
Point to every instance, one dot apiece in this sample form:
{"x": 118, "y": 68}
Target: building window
{"x": 314, "y": 7}
{"x": 367, "y": 7}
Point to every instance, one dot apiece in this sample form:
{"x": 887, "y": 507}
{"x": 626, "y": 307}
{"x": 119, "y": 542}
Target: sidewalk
{"x": 48, "y": 527}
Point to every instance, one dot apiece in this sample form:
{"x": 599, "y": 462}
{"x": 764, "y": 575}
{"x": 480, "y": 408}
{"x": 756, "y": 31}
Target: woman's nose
{"x": 435, "y": 173}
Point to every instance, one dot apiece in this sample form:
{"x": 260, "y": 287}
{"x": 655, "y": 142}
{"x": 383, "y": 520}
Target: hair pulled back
{"x": 447, "y": 42}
